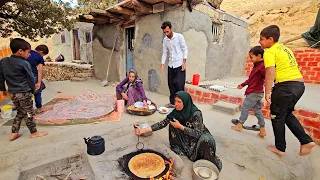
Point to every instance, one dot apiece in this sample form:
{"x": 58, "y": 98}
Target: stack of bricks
{"x": 309, "y": 119}
{"x": 308, "y": 61}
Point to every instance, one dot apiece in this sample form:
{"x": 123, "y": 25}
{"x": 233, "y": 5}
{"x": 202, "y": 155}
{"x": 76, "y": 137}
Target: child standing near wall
{"x": 37, "y": 62}
{"x": 281, "y": 66}
{"x": 17, "y": 73}
{"x": 254, "y": 93}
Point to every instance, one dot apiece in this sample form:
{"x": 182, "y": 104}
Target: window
{"x": 216, "y": 32}
{"x": 63, "y": 38}
{"x": 88, "y": 37}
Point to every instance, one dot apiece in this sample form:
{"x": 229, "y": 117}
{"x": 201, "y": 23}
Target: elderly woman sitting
{"x": 188, "y": 135}
{"x": 131, "y": 89}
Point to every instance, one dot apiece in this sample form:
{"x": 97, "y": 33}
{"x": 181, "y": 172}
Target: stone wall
{"x": 63, "y": 71}
{"x": 310, "y": 120}
{"x": 308, "y": 61}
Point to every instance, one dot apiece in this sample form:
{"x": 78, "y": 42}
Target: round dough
{"x": 146, "y": 165}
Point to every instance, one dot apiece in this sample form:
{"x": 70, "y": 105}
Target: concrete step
{"x": 78, "y": 79}
{"x": 84, "y": 75}
{"x": 228, "y": 108}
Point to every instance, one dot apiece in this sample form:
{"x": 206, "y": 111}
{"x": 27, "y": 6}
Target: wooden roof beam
{"x": 122, "y": 10}
{"x": 142, "y": 7}
{"x": 101, "y": 19}
{"x": 105, "y": 13}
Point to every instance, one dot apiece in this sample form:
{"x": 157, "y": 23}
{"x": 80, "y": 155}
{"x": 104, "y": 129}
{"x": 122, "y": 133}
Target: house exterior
{"x": 218, "y": 42}
{"x": 74, "y": 45}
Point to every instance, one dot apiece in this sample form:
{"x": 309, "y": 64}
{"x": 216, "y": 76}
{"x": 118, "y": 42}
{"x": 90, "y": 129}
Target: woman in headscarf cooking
{"x": 131, "y": 89}
{"x": 188, "y": 135}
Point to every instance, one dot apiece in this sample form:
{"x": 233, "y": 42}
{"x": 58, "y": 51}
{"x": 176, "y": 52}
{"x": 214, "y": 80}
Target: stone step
{"x": 78, "y": 79}
{"x": 228, "y": 108}
{"x": 84, "y": 75}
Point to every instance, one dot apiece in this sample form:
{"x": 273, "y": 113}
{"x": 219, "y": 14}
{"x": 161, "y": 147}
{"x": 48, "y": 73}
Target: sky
{"x": 72, "y": 2}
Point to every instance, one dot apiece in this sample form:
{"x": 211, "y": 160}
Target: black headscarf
{"x": 188, "y": 108}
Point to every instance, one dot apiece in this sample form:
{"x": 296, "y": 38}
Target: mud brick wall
{"x": 60, "y": 72}
{"x": 310, "y": 120}
{"x": 308, "y": 61}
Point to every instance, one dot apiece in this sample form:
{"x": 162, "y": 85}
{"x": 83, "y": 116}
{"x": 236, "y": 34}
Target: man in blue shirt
{"x": 36, "y": 61}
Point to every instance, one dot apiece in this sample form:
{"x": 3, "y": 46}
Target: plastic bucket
{"x": 196, "y": 79}
{"x": 6, "y": 111}
{"x": 120, "y": 105}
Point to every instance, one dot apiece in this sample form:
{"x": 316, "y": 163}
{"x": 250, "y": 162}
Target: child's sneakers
{"x": 262, "y": 132}
{"x": 237, "y": 127}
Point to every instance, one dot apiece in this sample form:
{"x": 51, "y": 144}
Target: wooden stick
{"x": 115, "y": 41}
{"x": 292, "y": 39}
{"x": 68, "y": 176}
{"x": 315, "y": 44}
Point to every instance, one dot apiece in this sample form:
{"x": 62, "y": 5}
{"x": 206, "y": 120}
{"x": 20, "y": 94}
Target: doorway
{"x": 76, "y": 45}
{"x": 129, "y": 48}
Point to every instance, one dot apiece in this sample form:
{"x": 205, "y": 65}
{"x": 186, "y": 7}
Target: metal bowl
{"x": 204, "y": 170}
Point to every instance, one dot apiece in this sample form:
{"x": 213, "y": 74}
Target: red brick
{"x": 200, "y": 99}
{"x": 312, "y": 73}
{"x": 316, "y": 133}
{"x": 300, "y": 63}
{"x": 224, "y": 97}
{"x": 208, "y": 101}
{"x": 311, "y": 123}
{"x": 198, "y": 93}
{"x": 191, "y": 91}
{"x": 317, "y": 59}
{"x": 194, "y": 97}
{"x": 306, "y": 68}
{"x": 303, "y": 55}
{"x": 310, "y": 63}
{"x": 308, "y": 129}
{"x": 310, "y": 50}
{"x": 316, "y": 69}
{"x": 314, "y": 55}
{"x": 298, "y": 51}
{"x": 234, "y": 99}
{"x": 309, "y": 114}
{"x": 214, "y": 96}
{"x": 309, "y": 59}
{"x": 206, "y": 94}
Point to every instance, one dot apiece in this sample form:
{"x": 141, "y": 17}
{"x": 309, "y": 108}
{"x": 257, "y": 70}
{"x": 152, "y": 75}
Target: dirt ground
{"x": 294, "y": 17}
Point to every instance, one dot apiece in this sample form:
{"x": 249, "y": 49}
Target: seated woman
{"x": 131, "y": 89}
{"x": 188, "y": 135}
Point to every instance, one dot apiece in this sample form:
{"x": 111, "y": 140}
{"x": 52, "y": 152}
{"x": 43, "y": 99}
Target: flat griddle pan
{"x": 124, "y": 163}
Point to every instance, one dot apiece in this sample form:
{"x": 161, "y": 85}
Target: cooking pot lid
{"x": 95, "y": 139}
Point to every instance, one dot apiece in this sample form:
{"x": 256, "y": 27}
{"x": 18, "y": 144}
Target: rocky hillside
{"x": 292, "y": 16}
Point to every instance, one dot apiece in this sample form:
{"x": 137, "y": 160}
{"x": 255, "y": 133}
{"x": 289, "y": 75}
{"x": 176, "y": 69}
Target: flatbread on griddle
{"x": 146, "y": 165}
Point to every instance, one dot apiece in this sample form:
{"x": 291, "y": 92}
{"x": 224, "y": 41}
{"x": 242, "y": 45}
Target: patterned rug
{"x": 68, "y": 110}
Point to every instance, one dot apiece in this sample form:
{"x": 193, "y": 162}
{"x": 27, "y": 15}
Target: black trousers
{"x": 284, "y": 97}
{"x": 176, "y": 80}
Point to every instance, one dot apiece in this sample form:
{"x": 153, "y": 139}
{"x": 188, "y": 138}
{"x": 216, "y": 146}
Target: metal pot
{"x": 95, "y": 145}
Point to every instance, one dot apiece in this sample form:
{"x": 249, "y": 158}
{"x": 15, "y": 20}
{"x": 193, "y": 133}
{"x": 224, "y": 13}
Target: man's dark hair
{"x": 18, "y": 43}
{"x": 271, "y": 31}
{"x": 257, "y": 50}
{"x": 43, "y": 48}
{"x": 166, "y": 24}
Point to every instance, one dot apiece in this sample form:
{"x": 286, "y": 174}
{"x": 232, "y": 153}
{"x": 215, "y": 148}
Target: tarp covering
{"x": 313, "y": 35}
